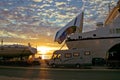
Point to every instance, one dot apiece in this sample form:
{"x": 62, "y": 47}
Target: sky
{"x": 37, "y": 21}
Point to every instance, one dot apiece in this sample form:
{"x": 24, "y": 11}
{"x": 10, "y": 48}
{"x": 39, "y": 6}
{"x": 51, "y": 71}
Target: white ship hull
{"x": 104, "y": 41}
{"x": 99, "y": 47}
{"x": 16, "y": 51}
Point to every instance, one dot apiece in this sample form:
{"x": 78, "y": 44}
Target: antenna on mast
{"x": 109, "y": 7}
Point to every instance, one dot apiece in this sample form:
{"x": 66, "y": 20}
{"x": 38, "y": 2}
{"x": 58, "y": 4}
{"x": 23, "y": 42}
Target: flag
{"x": 73, "y": 26}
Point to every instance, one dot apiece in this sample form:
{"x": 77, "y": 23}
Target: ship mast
{"x": 109, "y": 7}
{"x": 2, "y": 42}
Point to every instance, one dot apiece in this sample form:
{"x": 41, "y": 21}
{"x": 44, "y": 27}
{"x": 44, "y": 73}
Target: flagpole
{"x": 62, "y": 46}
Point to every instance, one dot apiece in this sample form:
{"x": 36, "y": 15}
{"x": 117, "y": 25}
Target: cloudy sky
{"x": 37, "y": 21}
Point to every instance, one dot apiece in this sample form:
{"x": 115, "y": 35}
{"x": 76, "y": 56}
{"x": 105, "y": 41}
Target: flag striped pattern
{"x": 69, "y": 28}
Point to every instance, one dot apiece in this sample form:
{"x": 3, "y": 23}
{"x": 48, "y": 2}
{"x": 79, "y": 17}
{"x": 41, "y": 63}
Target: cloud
{"x": 38, "y": 19}
{"x": 60, "y": 4}
{"x": 37, "y": 0}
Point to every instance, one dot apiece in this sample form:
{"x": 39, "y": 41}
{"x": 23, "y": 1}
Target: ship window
{"x": 80, "y": 37}
{"x": 87, "y": 53}
{"x": 68, "y": 55}
{"x": 112, "y": 31}
{"x": 76, "y": 54}
{"x": 94, "y": 35}
{"x": 117, "y": 30}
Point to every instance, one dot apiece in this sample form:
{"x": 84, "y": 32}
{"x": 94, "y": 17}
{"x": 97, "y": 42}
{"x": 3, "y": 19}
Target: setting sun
{"x": 44, "y": 51}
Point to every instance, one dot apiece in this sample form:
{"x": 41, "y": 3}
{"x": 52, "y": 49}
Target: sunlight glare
{"x": 43, "y": 49}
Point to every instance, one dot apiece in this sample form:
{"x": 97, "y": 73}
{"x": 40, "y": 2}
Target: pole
{"x": 62, "y": 46}
{"x": 109, "y": 6}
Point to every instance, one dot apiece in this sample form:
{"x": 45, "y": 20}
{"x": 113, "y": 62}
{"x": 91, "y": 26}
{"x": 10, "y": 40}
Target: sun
{"x": 45, "y": 52}
{"x": 43, "y": 49}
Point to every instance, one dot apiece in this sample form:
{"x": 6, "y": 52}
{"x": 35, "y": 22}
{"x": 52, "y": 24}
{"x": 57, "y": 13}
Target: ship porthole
{"x": 94, "y": 35}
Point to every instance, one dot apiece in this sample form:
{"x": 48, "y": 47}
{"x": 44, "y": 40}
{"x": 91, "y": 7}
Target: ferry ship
{"x": 104, "y": 41}
{"x": 100, "y": 46}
